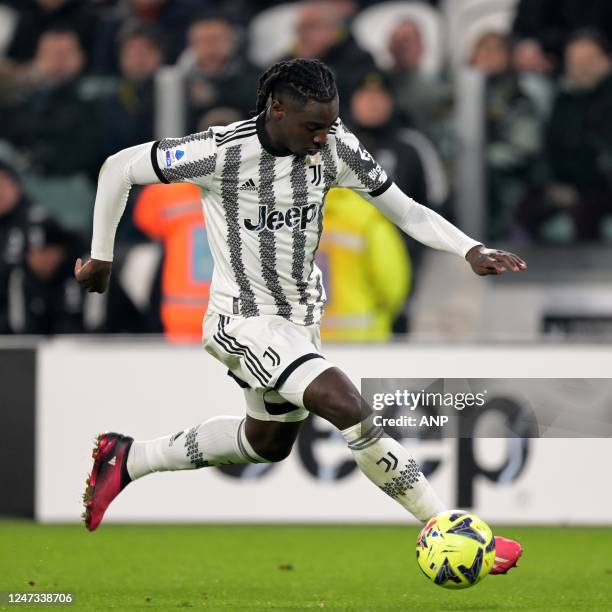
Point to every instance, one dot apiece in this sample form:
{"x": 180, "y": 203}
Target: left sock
{"x": 218, "y": 441}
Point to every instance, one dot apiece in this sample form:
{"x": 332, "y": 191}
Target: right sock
{"x": 217, "y": 441}
{"x": 391, "y": 468}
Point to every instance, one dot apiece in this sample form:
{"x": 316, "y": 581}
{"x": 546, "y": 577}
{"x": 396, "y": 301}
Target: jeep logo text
{"x": 276, "y": 219}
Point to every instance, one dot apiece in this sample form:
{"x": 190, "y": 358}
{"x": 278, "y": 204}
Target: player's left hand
{"x": 491, "y": 261}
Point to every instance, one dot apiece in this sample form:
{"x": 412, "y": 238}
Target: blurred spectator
{"x": 425, "y": 101}
{"x": 127, "y": 112}
{"x": 48, "y": 119}
{"x": 218, "y": 75}
{"x": 322, "y": 34}
{"x": 374, "y": 122}
{"x": 366, "y": 270}
{"x": 172, "y": 214}
{"x": 575, "y": 175}
{"x": 528, "y": 56}
{"x": 513, "y": 128}
{"x": 128, "y": 115}
{"x": 345, "y": 9}
{"x": 43, "y": 296}
{"x": 542, "y": 27}
{"x": 14, "y": 207}
{"x": 491, "y": 54}
{"x": 39, "y": 16}
{"x": 171, "y": 17}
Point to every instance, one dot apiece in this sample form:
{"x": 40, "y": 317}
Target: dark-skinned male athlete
{"x": 264, "y": 184}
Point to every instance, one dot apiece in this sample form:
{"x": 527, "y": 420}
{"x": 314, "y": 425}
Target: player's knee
{"x": 271, "y": 450}
{"x": 275, "y": 454}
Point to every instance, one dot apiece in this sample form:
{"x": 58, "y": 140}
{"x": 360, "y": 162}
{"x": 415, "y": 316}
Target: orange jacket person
{"x": 173, "y": 215}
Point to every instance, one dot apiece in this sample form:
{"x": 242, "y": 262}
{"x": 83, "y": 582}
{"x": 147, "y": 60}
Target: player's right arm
{"x": 119, "y": 172}
{"x": 166, "y": 161}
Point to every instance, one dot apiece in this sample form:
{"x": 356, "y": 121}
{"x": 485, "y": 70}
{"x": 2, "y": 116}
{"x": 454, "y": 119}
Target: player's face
{"x": 304, "y": 127}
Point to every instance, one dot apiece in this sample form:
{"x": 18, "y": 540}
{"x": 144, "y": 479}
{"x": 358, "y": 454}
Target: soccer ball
{"x": 456, "y": 549}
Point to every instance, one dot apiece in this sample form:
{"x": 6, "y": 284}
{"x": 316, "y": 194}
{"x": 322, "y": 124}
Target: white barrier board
{"x": 148, "y": 390}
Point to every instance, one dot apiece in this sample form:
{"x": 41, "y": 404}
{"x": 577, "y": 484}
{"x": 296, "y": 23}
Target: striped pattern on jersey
{"x": 190, "y": 170}
{"x": 329, "y": 176}
{"x": 264, "y": 212}
{"x": 236, "y": 132}
{"x": 300, "y": 199}
{"x": 267, "y": 241}
{"x": 361, "y": 166}
{"x": 229, "y": 196}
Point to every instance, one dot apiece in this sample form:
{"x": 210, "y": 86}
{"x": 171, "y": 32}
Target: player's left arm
{"x": 359, "y": 171}
{"x": 433, "y": 230}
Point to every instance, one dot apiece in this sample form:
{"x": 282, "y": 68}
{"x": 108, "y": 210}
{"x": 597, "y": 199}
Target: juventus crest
{"x": 315, "y": 173}
{"x": 314, "y": 168}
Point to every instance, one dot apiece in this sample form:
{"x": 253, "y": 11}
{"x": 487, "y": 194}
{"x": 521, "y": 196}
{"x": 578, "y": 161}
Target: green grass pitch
{"x": 355, "y": 568}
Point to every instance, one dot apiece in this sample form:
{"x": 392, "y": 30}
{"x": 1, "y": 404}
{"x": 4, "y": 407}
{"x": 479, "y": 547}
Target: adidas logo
{"x": 113, "y": 461}
{"x": 249, "y": 185}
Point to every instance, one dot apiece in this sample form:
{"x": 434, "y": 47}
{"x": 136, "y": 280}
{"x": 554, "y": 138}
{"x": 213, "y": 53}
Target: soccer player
{"x": 264, "y": 182}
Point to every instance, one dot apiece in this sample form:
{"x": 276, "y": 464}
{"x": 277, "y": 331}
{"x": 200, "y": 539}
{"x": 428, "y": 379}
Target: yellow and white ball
{"x": 456, "y": 549}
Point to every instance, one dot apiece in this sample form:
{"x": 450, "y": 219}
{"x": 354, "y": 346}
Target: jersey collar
{"x": 264, "y": 139}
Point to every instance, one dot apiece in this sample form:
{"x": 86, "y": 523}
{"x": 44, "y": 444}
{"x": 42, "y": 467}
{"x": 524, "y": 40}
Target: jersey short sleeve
{"x": 184, "y": 160}
{"x": 357, "y": 169}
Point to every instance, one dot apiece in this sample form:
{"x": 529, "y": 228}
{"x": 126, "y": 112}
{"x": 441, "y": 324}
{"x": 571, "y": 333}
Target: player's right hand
{"x": 93, "y": 275}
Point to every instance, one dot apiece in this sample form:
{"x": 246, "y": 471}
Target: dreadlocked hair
{"x": 304, "y": 79}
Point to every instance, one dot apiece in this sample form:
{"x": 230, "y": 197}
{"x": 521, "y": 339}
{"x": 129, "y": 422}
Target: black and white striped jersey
{"x": 264, "y": 212}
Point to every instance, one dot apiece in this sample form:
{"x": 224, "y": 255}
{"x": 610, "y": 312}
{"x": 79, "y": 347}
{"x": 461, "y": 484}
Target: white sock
{"x": 217, "y": 441}
{"x": 389, "y": 466}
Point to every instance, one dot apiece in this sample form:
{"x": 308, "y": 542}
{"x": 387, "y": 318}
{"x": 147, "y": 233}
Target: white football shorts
{"x": 271, "y": 358}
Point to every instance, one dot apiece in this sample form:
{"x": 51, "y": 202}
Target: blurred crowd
{"x": 78, "y": 83}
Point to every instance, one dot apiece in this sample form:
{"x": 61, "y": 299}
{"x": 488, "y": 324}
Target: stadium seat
{"x": 467, "y": 20}
{"x": 271, "y": 33}
{"x": 373, "y": 26}
{"x": 435, "y": 176}
{"x": 8, "y": 21}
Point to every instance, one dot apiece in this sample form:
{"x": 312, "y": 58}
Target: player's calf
{"x": 119, "y": 459}
{"x": 271, "y": 440}
{"x": 382, "y": 459}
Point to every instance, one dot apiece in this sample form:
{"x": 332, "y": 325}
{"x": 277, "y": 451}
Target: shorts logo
{"x": 276, "y": 219}
{"x": 273, "y": 356}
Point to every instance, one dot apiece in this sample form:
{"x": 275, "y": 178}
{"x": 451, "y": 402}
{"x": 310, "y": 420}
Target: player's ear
{"x": 277, "y": 108}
